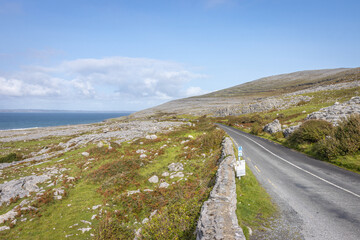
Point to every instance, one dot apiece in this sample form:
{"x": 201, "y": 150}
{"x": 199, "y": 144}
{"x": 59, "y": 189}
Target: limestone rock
{"x": 273, "y": 127}
{"x": 151, "y": 137}
{"x": 174, "y": 167}
{"x": 154, "y": 179}
{"x": 164, "y": 185}
{"x": 85, "y": 154}
{"x": 338, "y": 111}
{"x": 20, "y": 187}
{"x": 178, "y": 174}
{"x": 133, "y": 192}
{"x": 288, "y": 131}
{"x": 3, "y": 228}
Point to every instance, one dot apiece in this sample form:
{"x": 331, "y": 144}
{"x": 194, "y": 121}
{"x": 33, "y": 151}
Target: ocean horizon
{"x": 26, "y": 120}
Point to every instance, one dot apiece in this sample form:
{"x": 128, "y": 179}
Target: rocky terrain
{"x": 338, "y": 111}
{"x": 275, "y": 92}
{"x": 29, "y": 181}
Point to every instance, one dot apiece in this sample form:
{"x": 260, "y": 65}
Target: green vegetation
{"x": 10, "y": 158}
{"x": 337, "y": 145}
{"x": 310, "y": 131}
{"x": 105, "y": 178}
{"x": 254, "y": 206}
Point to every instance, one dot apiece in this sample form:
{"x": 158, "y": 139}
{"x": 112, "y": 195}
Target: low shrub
{"x": 345, "y": 140}
{"x": 174, "y": 222}
{"x": 327, "y": 148}
{"x": 110, "y": 228}
{"x": 256, "y": 129}
{"x": 311, "y": 131}
{"x": 278, "y": 135}
{"x": 10, "y": 158}
{"x": 348, "y": 135}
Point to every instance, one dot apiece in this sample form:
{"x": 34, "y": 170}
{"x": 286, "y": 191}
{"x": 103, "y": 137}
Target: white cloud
{"x": 195, "y": 91}
{"x": 113, "y": 78}
{"x": 16, "y": 88}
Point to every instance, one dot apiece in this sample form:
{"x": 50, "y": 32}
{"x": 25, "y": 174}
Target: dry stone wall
{"x": 218, "y": 219}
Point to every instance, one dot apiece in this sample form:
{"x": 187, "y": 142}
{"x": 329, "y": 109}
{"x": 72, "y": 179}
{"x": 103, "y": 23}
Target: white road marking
{"x": 300, "y": 168}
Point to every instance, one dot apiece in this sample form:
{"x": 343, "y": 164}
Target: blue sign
{"x": 240, "y": 152}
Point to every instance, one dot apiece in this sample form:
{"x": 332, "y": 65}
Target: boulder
{"x": 154, "y": 179}
{"x": 273, "y": 127}
{"x": 20, "y": 187}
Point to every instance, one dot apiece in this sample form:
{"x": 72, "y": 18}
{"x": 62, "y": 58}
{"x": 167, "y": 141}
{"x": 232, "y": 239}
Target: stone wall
{"x": 218, "y": 219}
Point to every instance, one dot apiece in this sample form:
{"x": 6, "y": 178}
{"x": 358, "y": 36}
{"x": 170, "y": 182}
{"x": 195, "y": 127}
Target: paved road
{"x": 319, "y": 200}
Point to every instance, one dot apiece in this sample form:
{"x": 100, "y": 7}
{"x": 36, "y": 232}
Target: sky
{"x": 128, "y": 55}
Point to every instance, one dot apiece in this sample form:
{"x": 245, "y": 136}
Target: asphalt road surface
{"x": 317, "y": 200}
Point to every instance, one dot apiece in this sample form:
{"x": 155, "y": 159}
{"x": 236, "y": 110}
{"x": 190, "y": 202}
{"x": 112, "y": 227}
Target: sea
{"x": 22, "y": 120}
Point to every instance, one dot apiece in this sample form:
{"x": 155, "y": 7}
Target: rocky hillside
{"x": 274, "y": 92}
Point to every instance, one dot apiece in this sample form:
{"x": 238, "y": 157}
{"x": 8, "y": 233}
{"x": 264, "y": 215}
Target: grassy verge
{"x": 254, "y": 205}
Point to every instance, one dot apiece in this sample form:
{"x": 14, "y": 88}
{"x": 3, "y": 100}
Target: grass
{"x": 57, "y": 217}
{"x": 108, "y": 177}
{"x": 254, "y": 205}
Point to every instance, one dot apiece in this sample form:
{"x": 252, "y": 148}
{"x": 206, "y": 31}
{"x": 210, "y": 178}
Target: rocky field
{"x": 118, "y": 179}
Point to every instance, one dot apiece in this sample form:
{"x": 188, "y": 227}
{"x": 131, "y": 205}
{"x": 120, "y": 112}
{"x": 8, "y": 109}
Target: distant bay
{"x": 20, "y": 120}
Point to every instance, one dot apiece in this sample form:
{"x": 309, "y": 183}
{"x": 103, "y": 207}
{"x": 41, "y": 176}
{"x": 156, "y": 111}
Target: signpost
{"x": 240, "y": 164}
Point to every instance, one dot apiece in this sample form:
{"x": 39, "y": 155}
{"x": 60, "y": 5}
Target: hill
{"x": 264, "y": 89}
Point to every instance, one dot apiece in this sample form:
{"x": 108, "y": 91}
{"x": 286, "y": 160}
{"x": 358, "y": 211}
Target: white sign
{"x": 240, "y": 168}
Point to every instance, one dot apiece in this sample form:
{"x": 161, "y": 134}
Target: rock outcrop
{"x": 218, "y": 219}
{"x": 338, "y": 111}
{"x": 273, "y": 127}
{"x": 20, "y": 187}
{"x": 288, "y": 131}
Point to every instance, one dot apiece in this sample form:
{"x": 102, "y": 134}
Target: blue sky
{"x": 131, "y": 54}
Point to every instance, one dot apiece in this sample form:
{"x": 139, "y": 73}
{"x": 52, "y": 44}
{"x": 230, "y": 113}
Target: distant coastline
{"x": 18, "y": 120}
{"x": 57, "y": 111}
